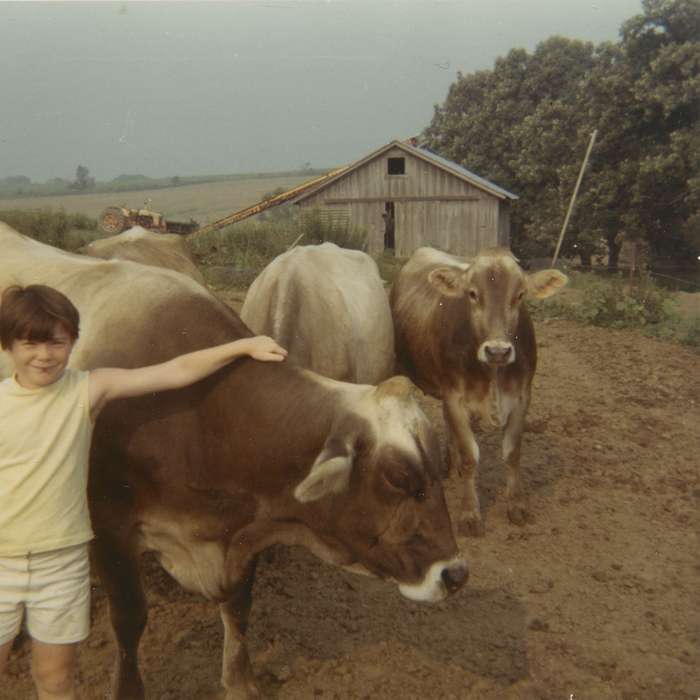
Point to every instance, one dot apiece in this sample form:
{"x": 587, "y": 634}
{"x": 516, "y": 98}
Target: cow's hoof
{"x": 472, "y": 527}
{"x": 518, "y": 515}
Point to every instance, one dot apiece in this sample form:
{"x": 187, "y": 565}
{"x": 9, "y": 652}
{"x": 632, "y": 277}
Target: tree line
{"x": 526, "y": 124}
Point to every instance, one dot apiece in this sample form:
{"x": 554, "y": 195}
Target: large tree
{"x": 526, "y": 123}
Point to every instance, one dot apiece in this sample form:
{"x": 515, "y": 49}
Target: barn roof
{"x": 423, "y": 154}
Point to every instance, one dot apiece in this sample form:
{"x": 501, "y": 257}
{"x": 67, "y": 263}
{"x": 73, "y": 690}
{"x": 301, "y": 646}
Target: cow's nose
{"x": 455, "y": 576}
{"x": 498, "y": 352}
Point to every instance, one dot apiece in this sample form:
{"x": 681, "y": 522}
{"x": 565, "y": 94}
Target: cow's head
{"x": 494, "y": 288}
{"x": 376, "y": 491}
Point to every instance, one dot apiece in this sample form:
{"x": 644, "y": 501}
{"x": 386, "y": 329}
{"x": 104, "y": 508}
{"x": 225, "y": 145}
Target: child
{"x": 47, "y": 412}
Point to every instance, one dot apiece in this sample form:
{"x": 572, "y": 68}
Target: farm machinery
{"x": 114, "y": 220}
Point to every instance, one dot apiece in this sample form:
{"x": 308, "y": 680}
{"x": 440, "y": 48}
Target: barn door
{"x": 389, "y": 226}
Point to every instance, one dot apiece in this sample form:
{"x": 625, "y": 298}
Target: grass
{"x": 203, "y": 202}
{"x": 12, "y": 187}
{"x": 244, "y": 249}
{"x": 617, "y": 302}
{"x": 250, "y": 246}
{"x": 55, "y": 227}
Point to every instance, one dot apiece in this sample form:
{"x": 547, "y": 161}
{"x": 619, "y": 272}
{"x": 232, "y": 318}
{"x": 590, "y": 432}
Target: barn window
{"x": 396, "y": 166}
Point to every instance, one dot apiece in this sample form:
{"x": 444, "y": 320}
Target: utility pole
{"x": 573, "y": 197}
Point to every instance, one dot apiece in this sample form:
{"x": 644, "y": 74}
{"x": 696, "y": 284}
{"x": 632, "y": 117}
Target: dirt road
{"x": 597, "y": 599}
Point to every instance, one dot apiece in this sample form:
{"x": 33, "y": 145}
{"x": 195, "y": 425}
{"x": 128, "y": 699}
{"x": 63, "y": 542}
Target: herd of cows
{"x": 328, "y": 450}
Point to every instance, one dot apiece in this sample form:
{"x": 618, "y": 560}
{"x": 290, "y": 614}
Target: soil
{"x": 597, "y": 599}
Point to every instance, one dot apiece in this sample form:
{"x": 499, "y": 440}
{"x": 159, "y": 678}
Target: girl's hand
{"x": 265, "y": 349}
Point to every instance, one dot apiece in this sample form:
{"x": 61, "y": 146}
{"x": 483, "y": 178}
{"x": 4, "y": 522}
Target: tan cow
{"x": 328, "y": 307}
{"x": 464, "y": 335}
{"x": 257, "y": 454}
{"x": 140, "y": 245}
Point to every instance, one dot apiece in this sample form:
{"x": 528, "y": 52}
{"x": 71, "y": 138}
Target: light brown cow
{"x": 328, "y": 307}
{"x": 464, "y": 335}
{"x": 140, "y": 245}
{"x": 257, "y": 454}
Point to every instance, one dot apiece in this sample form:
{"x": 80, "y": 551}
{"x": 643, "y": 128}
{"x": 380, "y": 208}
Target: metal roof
{"x": 424, "y": 154}
{"x": 459, "y": 170}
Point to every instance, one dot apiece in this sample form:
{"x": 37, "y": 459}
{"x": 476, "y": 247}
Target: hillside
{"x": 203, "y": 202}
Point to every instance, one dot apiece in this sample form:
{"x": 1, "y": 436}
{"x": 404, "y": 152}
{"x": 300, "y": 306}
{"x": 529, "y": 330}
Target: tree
{"x": 515, "y": 125}
{"x": 83, "y": 181}
{"x": 526, "y": 124}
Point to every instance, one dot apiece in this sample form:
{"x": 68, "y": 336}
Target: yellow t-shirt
{"x": 45, "y": 438}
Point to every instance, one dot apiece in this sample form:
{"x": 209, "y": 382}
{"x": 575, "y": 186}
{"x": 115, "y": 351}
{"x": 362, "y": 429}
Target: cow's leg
{"x": 512, "y": 439}
{"x": 465, "y": 448}
{"x": 237, "y": 674}
{"x": 119, "y": 572}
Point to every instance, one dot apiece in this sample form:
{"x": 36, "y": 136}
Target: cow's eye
{"x": 419, "y": 495}
{"x": 519, "y": 297}
{"x": 473, "y": 295}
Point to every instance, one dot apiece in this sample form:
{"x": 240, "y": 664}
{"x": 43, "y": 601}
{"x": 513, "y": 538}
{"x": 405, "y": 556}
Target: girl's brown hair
{"x": 32, "y": 312}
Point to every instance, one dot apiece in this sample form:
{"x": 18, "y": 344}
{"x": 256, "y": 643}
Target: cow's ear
{"x": 330, "y": 474}
{"x": 447, "y": 280}
{"x": 544, "y": 283}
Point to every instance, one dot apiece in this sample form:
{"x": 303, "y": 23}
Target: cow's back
{"x": 122, "y": 305}
{"x": 166, "y": 250}
{"x": 328, "y": 307}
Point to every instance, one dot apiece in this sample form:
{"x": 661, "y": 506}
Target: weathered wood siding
{"x": 431, "y": 207}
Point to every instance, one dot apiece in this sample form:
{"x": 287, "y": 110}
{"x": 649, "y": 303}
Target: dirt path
{"x": 595, "y": 600}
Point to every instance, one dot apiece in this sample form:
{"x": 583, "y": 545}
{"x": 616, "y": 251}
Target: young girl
{"x": 47, "y": 412}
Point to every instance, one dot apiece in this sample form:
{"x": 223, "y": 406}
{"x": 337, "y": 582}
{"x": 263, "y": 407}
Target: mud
{"x": 597, "y": 599}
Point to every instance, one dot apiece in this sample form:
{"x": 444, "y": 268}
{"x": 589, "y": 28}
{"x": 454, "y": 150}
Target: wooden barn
{"x": 406, "y": 197}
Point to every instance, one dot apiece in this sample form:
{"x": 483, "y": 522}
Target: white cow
{"x": 140, "y": 245}
{"x": 328, "y": 307}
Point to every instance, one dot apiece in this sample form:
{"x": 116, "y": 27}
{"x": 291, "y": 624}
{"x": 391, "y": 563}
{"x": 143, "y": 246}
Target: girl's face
{"x": 41, "y": 363}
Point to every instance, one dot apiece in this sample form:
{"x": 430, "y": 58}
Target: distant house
{"x": 406, "y": 197}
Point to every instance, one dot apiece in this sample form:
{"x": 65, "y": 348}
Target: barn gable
{"x": 406, "y": 197}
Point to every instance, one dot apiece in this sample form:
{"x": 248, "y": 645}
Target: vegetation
{"x": 247, "y": 247}
{"x": 55, "y": 227}
{"x": 615, "y": 301}
{"x": 251, "y": 245}
{"x": 526, "y": 124}
{"x": 22, "y": 186}
{"x": 83, "y": 180}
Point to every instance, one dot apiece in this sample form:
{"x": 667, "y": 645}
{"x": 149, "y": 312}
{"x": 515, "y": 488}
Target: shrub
{"x": 610, "y": 301}
{"x": 690, "y": 335}
{"x": 319, "y": 227}
{"x": 47, "y": 225}
{"x": 251, "y": 245}
{"x": 616, "y": 303}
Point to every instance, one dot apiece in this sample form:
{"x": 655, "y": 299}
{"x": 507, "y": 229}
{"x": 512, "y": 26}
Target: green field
{"x": 204, "y": 202}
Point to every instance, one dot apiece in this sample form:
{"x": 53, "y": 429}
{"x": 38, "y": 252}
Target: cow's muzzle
{"x": 455, "y": 575}
{"x": 442, "y": 579}
{"x": 497, "y": 352}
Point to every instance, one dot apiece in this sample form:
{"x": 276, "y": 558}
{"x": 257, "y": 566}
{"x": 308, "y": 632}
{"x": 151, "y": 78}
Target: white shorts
{"x": 51, "y": 590}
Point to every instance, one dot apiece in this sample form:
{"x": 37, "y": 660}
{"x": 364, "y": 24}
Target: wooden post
{"x": 573, "y": 196}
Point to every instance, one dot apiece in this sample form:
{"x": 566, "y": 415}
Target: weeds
{"x": 616, "y": 302}
{"x": 54, "y": 227}
{"x": 252, "y": 245}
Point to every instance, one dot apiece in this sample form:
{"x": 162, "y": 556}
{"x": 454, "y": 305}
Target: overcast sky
{"x": 197, "y": 88}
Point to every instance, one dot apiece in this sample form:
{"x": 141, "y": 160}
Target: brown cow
{"x": 257, "y": 454}
{"x": 140, "y": 245}
{"x": 464, "y": 335}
